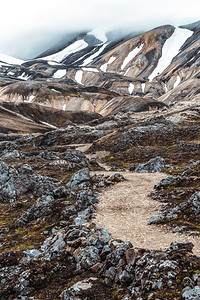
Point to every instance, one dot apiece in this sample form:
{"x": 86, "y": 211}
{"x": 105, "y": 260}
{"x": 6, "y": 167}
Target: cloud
{"x": 30, "y": 27}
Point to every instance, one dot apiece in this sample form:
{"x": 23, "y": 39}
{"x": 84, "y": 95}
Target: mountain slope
{"x": 161, "y": 64}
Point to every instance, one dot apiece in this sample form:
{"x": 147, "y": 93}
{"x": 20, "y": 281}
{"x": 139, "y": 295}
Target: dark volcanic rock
{"x": 79, "y": 178}
{"x": 15, "y": 183}
{"x": 36, "y": 211}
{"x": 156, "y": 164}
{"x": 87, "y": 257}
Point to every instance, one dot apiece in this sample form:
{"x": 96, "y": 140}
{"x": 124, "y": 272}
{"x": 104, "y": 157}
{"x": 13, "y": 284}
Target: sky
{"x": 29, "y": 27}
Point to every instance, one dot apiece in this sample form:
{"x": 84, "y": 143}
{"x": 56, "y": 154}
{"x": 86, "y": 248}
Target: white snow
{"x": 30, "y": 99}
{"x": 166, "y": 89}
{"x": 127, "y": 71}
{"x": 178, "y": 80}
{"x": 131, "y": 55}
{"x": 11, "y": 60}
{"x": 11, "y": 73}
{"x": 78, "y": 76}
{"x": 50, "y": 125}
{"x": 90, "y": 70}
{"x": 64, "y": 106}
{"x": 90, "y": 58}
{"x": 170, "y": 50}
{"x": 131, "y": 88}
{"x": 99, "y": 34}
{"x": 56, "y": 91}
{"x": 59, "y": 56}
{"x": 143, "y": 87}
{"x": 104, "y": 66}
{"x": 23, "y": 76}
{"x": 53, "y": 63}
{"x": 59, "y": 73}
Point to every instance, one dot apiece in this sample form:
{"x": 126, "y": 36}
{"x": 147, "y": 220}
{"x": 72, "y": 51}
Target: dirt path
{"x": 125, "y": 209}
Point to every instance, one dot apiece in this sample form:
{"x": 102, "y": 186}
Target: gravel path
{"x": 125, "y": 209}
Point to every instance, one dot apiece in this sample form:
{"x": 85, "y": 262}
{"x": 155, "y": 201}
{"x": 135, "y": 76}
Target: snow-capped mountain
{"x": 161, "y": 64}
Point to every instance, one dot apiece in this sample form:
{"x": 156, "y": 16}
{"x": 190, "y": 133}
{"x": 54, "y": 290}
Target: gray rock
{"x": 110, "y": 275}
{"x": 49, "y": 155}
{"x": 7, "y": 183}
{"x": 79, "y": 221}
{"x": 189, "y": 293}
{"x": 85, "y": 198}
{"x": 156, "y": 164}
{"x": 75, "y": 156}
{"x": 190, "y": 166}
{"x": 155, "y": 219}
{"x": 183, "y": 247}
{"x": 16, "y": 154}
{"x": 36, "y": 211}
{"x": 117, "y": 177}
{"x": 114, "y": 257}
{"x": 99, "y": 238}
{"x": 127, "y": 275}
{"x": 86, "y": 257}
{"x": 194, "y": 203}
{"x": 15, "y": 183}
{"x": 171, "y": 180}
{"x": 33, "y": 253}
{"x": 68, "y": 212}
{"x": 79, "y": 178}
{"x": 76, "y": 290}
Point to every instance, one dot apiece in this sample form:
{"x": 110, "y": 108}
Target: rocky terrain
{"x": 79, "y": 109}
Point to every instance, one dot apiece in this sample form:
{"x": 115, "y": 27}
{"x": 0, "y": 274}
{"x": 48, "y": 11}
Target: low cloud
{"x": 31, "y": 27}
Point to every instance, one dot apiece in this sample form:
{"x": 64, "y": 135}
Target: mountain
{"x": 159, "y": 65}
{"x": 97, "y": 134}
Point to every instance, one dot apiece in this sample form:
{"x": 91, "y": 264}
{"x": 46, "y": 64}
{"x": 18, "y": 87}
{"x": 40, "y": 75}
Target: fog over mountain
{"x": 31, "y": 27}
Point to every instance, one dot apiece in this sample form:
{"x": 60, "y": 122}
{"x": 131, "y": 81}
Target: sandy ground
{"x": 125, "y": 209}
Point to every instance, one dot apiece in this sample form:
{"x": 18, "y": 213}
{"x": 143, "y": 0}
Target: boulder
{"x": 86, "y": 257}
{"x": 156, "y": 164}
{"x": 79, "y": 178}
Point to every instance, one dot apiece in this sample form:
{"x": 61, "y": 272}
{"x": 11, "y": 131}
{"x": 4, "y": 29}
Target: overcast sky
{"x": 29, "y": 27}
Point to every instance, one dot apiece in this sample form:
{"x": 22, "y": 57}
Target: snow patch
{"x": 59, "y": 56}
{"x": 59, "y": 73}
{"x": 50, "y": 125}
{"x": 11, "y": 60}
{"x": 78, "y": 76}
{"x": 64, "y": 106}
{"x": 131, "y": 55}
{"x": 171, "y": 49}
{"x": 24, "y": 76}
{"x": 11, "y": 73}
{"x": 166, "y": 89}
{"x": 53, "y": 63}
{"x": 90, "y": 70}
{"x": 178, "y": 80}
{"x": 143, "y": 87}
{"x": 104, "y": 66}
{"x": 99, "y": 34}
{"x": 131, "y": 88}
{"x": 126, "y": 71}
{"x": 56, "y": 91}
{"x": 30, "y": 99}
{"x": 91, "y": 58}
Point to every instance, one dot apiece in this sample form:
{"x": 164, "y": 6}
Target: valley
{"x": 100, "y": 168}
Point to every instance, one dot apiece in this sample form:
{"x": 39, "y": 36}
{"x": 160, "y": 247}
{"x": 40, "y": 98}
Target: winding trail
{"x": 125, "y": 209}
